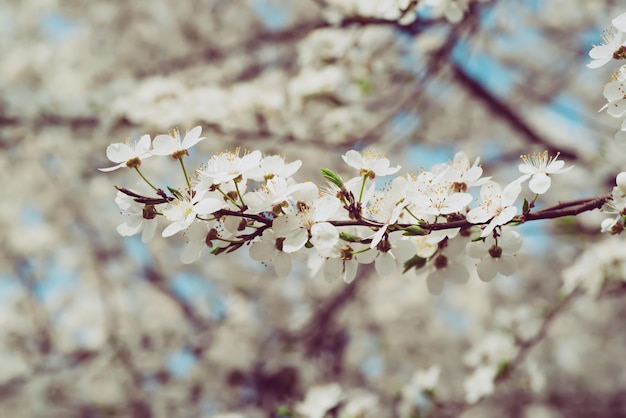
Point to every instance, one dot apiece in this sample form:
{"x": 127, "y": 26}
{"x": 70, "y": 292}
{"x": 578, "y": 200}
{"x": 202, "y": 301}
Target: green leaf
{"x": 333, "y": 177}
{"x": 219, "y": 250}
{"x": 349, "y": 237}
{"x": 175, "y": 192}
{"x": 414, "y": 230}
{"x": 525, "y": 207}
{"x": 416, "y": 262}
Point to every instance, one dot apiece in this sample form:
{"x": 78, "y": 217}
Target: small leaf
{"x": 414, "y": 230}
{"x": 525, "y": 207}
{"x": 219, "y": 250}
{"x": 416, "y": 262}
{"x": 175, "y": 192}
{"x": 333, "y": 177}
{"x": 349, "y": 237}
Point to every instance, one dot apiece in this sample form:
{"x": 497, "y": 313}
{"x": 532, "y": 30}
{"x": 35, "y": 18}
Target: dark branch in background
{"x": 505, "y": 112}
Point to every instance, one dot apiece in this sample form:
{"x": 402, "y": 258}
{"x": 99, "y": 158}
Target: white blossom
{"x": 228, "y": 166}
{"x": 319, "y": 400}
{"x": 479, "y": 384}
{"x": 538, "y": 168}
{"x": 496, "y": 257}
{"x": 274, "y": 166}
{"x": 183, "y": 212}
{"x": 269, "y": 249}
{"x": 601, "y": 54}
{"x": 172, "y": 144}
{"x": 497, "y": 205}
{"x": 370, "y": 163}
{"x": 137, "y": 222}
{"x": 128, "y": 154}
{"x": 447, "y": 266}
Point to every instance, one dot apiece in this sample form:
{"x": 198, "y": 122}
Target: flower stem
{"x": 362, "y": 187}
{"x": 185, "y": 173}
{"x": 239, "y": 193}
{"x": 145, "y": 179}
{"x": 227, "y": 197}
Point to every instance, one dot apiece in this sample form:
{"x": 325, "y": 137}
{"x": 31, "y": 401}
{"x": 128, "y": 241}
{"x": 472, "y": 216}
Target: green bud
{"x": 349, "y": 237}
{"x": 175, "y": 192}
{"x": 334, "y": 178}
{"x": 414, "y": 230}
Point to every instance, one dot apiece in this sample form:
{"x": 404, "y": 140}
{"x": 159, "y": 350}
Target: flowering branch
{"x": 253, "y": 200}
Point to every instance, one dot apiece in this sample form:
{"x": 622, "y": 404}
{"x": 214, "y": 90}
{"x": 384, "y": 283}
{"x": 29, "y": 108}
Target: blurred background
{"x": 93, "y": 324}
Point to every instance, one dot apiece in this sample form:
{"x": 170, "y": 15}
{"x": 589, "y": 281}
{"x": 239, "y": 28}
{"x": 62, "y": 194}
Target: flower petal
{"x": 487, "y": 269}
{"x": 385, "y": 264}
{"x": 434, "y": 282}
{"x": 507, "y": 264}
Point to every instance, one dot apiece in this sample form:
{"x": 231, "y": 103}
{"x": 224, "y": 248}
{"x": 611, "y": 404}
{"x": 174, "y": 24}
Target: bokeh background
{"x": 93, "y": 324}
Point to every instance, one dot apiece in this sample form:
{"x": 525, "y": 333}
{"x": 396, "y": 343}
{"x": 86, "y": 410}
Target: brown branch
{"x": 506, "y": 112}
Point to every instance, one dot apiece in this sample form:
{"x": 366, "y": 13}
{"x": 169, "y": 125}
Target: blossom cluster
{"x": 613, "y": 47}
{"x": 405, "y": 11}
{"x": 425, "y": 219}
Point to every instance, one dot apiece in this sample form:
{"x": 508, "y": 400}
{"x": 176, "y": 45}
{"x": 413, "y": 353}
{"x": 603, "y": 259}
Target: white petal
{"x": 620, "y": 180}
{"x": 555, "y": 166}
{"x": 487, "y": 269}
{"x": 295, "y": 240}
{"x": 507, "y": 264}
{"x": 613, "y": 91}
{"x": 192, "y": 251}
{"x": 456, "y": 202}
{"x": 165, "y": 145}
{"x": 350, "y": 268}
{"x": 325, "y": 208}
{"x": 385, "y": 264}
{"x": 617, "y": 108}
{"x": 477, "y": 249}
{"x": 307, "y": 192}
{"x": 119, "y": 152}
{"x": 510, "y": 193}
{"x": 333, "y": 268}
{"x": 403, "y": 249}
{"x": 171, "y": 229}
{"x": 143, "y": 145}
{"x": 479, "y": 215}
{"x": 510, "y": 241}
{"x": 282, "y": 264}
{"x": 130, "y": 227}
{"x": 526, "y": 169}
{"x": 263, "y": 250}
{"x": 324, "y": 235}
{"x": 354, "y": 159}
{"x": 434, "y": 282}
{"x": 115, "y": 167}
{"x": 620, "y": 22}
{"x": 285, "y": 225}
{"x": 505, "y": 215}
{"x": 192, "y": 137}
{"x": 457, "y": 273}
{"x": 489, "y": 228}
{"x": 367, "y": 256}
{"x": 378, "y": 236}
{"x": 540, "y": 183}
{"x": 209, "y": 205}
{"x": 149, "y": 229}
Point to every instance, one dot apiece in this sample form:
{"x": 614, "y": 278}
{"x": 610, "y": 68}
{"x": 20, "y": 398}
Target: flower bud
{"x": 210, "y": 236}
{"x": 495, "y": 251}
{"x": 149, "y": 212}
